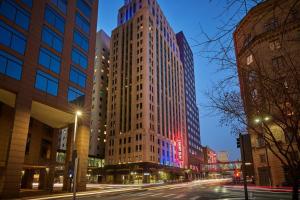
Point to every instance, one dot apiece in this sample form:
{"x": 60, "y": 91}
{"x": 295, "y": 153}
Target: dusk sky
{"x": 188, "y": 16}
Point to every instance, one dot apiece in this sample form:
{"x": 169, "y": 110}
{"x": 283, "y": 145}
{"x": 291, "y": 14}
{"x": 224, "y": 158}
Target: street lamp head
{"x": 78, "y": 113}
{"x": 257, "y": 120}
{"x": 267, "y": 118}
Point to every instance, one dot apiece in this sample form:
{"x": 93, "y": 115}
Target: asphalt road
{"x": 189, "y": 191}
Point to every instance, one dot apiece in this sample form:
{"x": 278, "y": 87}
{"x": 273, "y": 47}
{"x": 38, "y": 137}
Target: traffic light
{"x": 238, "y": 143}
{"x": 237, "y": 174}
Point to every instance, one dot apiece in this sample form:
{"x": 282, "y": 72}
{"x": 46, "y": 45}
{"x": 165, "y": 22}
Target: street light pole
{"x": 267, "y": 157}
{"x": 261, "y": 121}
{"x": 75, "y": 160}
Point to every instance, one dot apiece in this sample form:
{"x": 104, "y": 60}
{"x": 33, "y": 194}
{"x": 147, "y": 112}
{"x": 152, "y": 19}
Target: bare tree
{"x": 260, "y": 97}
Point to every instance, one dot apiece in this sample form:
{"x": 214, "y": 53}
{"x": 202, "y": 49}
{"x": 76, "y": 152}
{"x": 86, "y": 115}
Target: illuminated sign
{"x": 179, "y": 149}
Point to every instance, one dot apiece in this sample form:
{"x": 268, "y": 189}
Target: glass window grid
{"x": 12, "y": 38}
{"x": 74, "y": 93}
{"x": 77, "y": 77}
{"x": 79, "y": 58}
{"x": 52, "y": 39}
{"x": 15, "y": 13}
{"x": 62, "y": 5}
{"x": 84, "y": 8}
{"x": 49, "y": 60}
{"x": 27, "y": 2}
{"x": 82, "y": 23}
{"x": 54, "y": 19}
{"x": 81, "y": 41}
{"x": 10, "y": 65}
{"x": 46, "y": 83}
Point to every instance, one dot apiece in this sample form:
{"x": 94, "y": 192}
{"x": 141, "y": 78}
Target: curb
{"x": 261, "y": 189}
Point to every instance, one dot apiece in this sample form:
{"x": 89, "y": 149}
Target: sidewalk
{"x": 36, "y": 194}
{"x": 79, "y": 194}
{"x": 261, "y": 188}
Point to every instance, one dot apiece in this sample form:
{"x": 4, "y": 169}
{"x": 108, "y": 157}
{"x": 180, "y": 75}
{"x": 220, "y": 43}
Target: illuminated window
{"x": 249, "y": 59}
{"x": 274, "y": 45}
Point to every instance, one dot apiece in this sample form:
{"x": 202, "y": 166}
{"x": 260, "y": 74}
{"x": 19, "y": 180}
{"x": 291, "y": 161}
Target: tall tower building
{"x": 99, "y": 100}
{"x": 46, "y": 72}
{"x": 195, "y": 154}
{"x": 146, "y": 125}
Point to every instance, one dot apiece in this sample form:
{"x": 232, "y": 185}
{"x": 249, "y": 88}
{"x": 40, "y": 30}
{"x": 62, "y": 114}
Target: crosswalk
{"x": 159, "y": 195}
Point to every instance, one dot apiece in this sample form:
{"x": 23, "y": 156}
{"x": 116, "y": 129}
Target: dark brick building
{"x": 46, "y": 72}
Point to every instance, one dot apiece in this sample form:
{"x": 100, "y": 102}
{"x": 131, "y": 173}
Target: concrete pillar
{"x": 42, "y": 179}
{"x": 27, "y": 179}
{"x": 17, "y": 146}
{"x": 1, "y": 179}
{"x": 51, "y": 169}
{"x": 67, "y": 181}
{"x": 82, "y": 145}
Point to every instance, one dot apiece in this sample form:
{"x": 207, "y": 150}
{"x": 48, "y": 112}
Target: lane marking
{"x": 194, "y": 198}
{"x": 180, "y": 196}
{"x": 168, "y": 195}
{"x": 157, "y": 194}
{"x": 142, "y": 194}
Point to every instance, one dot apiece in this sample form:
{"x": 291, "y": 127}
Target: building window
{"x": 262, "y": 158}
{"x": 61, "y": 5}
{"x": 82, "y": 23}
{"x": 52, "y": 39}
{"x": 260, "y": 141}
{"x": 79, "y": 58}
{"x": 45, "y": 152}
{"x": 12, "y": 38}
{"x": 10, "y": 65}
{"x": 252, "y": 76}
{"x": 81, "y": 41}
{"x": 278, "y": 63}
{"x": 76, "y": 76}
{"x": 27, "y": 2}
{"x": 84, "y": 8}
{"x": 49, "y": 60}
{"x": 15, "y": 13}
{"x": 75, "y": 95}
{"x": 54, "y": 19}
{"x": 274, "y": 45}
{"x": 46, "y": 83}
{"x": 249, "y": 59}
{"x": 272, "y": 24}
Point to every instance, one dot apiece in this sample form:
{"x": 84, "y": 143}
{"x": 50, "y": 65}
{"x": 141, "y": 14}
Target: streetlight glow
{"x": 78, "y": 113}
{"x": 257, "y": 120}
{"x": 267, "y": 118}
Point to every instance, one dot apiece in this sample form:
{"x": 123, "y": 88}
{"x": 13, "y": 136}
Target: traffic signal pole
{"x": 244, "y": 166}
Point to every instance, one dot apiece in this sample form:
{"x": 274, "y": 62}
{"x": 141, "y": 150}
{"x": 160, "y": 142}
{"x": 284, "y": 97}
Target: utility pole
{"x": 244, "y": 166}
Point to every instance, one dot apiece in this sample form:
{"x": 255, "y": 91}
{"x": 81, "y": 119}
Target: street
{"x": 185, "y": 191}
